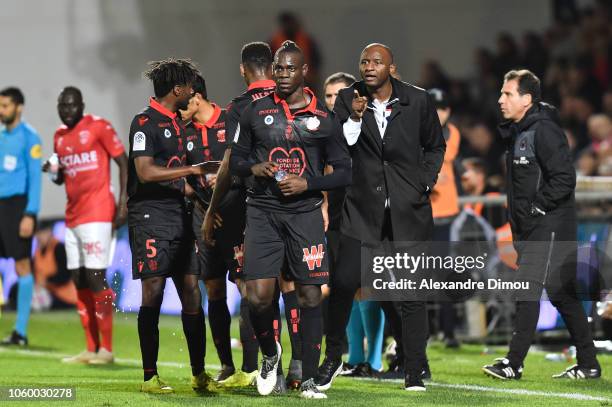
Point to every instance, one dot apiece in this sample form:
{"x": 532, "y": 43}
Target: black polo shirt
{"x": 300, "y": 142}
{"x": 255, "y": 91}
{"x": 155, "y": 132}
{"x": 205, "y": 142}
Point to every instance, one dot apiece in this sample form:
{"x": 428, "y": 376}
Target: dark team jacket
{"x": 300, "y": 142}
{"x": 205, "y": 142}
{"x": 539, "y": 172}
{"x": 155, "y": 132}
{"x": 402, "y": 167}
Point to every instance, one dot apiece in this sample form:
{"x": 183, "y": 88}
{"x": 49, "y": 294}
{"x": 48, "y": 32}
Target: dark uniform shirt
{"x": 300, "y": 142}
{"x": 255, "y": 91}
{"x": 155, "y": 132}
{"x": 205, "y": 142}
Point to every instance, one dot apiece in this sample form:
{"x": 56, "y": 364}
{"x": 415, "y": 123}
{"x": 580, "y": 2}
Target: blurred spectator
{"x": 290, "y": 28}
{"x": 479, "y": 141}
{"x": 507, "y": 57}
{"x": 50, "y": 271}
{"x": 535, "y": 55}
{"x": 432, "y": 76}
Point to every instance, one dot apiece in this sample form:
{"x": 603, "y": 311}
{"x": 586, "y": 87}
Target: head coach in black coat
{"x": 397, "y": 149}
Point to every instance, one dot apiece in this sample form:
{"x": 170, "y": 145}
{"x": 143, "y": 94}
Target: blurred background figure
{"x": 290, "y": 28}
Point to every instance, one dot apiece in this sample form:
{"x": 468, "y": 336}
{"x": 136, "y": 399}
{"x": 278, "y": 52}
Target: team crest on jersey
{"x": 313, "y": 123}
{"x": 314, "y": 256}
{"x": 221, "y": 136}
{"x": 84, "y": 137}
{"x": 523, "y": 145}
{"x": 167, "y": 133}
{"x": 190, "y": 146}
{"x": 268, "y": 120}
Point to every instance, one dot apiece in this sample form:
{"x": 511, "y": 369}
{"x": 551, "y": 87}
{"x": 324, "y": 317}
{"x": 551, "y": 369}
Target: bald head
{"x": 380, "y": 48}
{"x": 376, "y": 66}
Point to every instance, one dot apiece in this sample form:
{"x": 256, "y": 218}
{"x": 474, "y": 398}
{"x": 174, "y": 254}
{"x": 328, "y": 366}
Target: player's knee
{"x": 308, "y": 296}
{"x": 153, "y": 291}
{"x": 259, "y": 305}
{"x": 215, "y": 289}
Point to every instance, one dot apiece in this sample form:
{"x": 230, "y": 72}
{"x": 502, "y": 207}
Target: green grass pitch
{"x": 457, "y": 379}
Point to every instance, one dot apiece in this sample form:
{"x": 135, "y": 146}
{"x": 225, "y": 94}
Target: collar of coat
{"x": 399, "y": 92}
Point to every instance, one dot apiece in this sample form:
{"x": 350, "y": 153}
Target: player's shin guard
{"x": 220, "y": 320}
{"x": 148, "y": 333}
{"x": 292, "y": 315}
{"x": 104, "y": 315}
{"x": 250, "y": 346}
{"x": 194, "y": 328}
{"x": 311, "y": 331}
{"x": 87, "y": 312}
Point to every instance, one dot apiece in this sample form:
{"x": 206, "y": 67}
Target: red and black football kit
{"x": 161, "y": 238}
{"x": 282, "y": 228}
{"x": 206, "y": 142}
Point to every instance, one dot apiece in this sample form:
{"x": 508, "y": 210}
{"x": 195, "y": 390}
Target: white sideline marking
{"x": 518, "y": 392}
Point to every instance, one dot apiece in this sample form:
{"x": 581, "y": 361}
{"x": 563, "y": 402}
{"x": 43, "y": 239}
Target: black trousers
{"x": 345, "y": 279}
{"x": 549, "y": 262}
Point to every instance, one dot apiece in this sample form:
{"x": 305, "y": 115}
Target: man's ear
{"x": 242, "y": 73}
{"x": 305, "y": 70}
{"x": 392, "y": 69}
{"x": 527, "y": 99}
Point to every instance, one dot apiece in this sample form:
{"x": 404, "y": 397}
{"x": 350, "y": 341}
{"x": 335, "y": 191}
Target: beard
{"x": 6, "y": 120}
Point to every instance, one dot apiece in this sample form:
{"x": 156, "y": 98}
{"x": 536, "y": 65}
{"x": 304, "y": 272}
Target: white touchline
{"x": 518, "y": 392}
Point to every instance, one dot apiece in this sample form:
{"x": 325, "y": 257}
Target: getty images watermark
{"x": 455, "y": 271}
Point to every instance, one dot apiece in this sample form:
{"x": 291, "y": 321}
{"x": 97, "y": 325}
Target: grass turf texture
{"x": 458, "y": 380}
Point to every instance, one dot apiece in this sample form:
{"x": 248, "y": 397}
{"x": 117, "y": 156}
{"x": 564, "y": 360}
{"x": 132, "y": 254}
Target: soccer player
{"x": 285, "y": 140}
{"x": 20, "y": 153}
{"x": 205, "y": 140}
{"x": 256, "y": 69}
{"x": 84, "y": 146}
{"x": 161, "y": 239}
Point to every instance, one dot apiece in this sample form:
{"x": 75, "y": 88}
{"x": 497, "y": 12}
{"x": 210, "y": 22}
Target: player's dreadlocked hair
{"x": 170, "y": 72}
{"x": 288, "y": 46}
{"x": 199, "y": 86}
{"x": 256, "y": 56}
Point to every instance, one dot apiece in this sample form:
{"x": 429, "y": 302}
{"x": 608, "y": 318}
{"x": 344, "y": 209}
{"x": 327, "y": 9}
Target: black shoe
{"x": 414, "y": 383}
{"x": 395, "y": 371}
{"x": 426, "y": 372}
{"x": 294, "y": 377}
{"x": 364, "y": 370}
{"x": 579, "y": 373}
{"x": 327, "y": 373}
{"x": 15, "y": 339}
{"x": 503, "y": 370}
{"x": 452, "y": 343}
{"x": 347, "y": 369}
{"x": 281, "y": 386}
{"x": 225, "y": 372}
